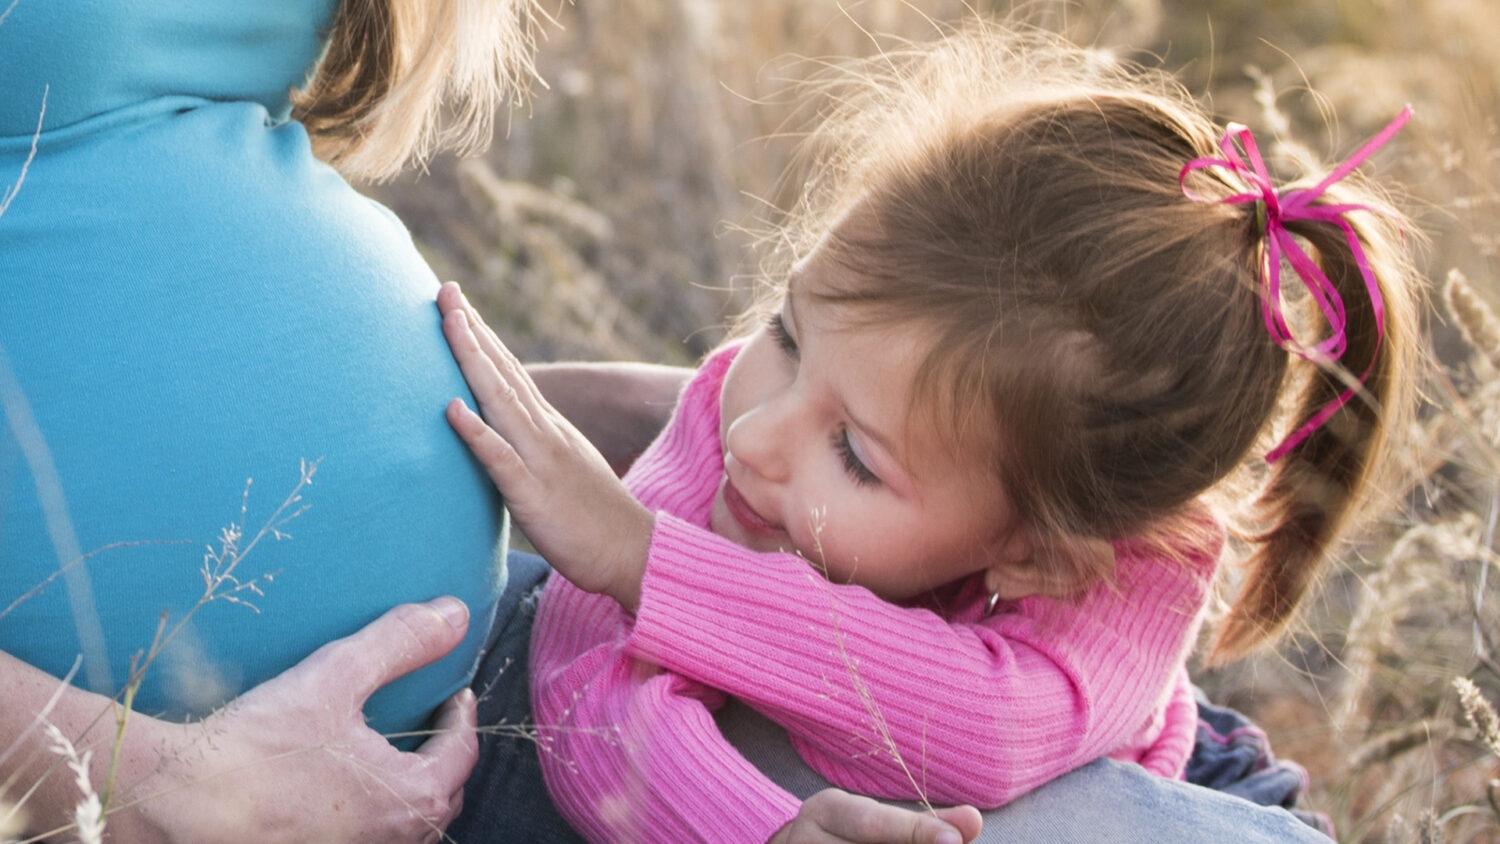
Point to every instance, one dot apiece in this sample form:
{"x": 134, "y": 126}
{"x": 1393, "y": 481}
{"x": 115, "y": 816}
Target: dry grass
{"x": 611, "y": 223}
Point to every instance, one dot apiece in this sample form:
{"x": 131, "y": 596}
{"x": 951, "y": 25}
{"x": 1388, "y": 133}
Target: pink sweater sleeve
{"x": 630, "y": 752}
{"x": 895, "y": 702}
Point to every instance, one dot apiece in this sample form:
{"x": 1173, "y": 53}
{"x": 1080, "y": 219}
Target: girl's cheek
{"x": 822, "y": 526}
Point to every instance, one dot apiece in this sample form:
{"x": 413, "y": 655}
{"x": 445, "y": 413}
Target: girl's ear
{"x": 1020, "y": 567}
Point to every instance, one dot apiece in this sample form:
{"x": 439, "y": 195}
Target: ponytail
{"x": 1316, "y": 488}
{"x": 391, "y": 69}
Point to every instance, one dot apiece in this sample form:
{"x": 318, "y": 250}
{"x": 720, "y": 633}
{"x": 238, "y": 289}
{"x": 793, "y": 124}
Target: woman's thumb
{"x": 404, "y": 639}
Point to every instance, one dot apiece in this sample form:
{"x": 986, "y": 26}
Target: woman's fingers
{"x": 456, "y": 805}
{"x": 398, "y": 643}
{"x": 449, "y": 755}
{"x": 446, "y": 760}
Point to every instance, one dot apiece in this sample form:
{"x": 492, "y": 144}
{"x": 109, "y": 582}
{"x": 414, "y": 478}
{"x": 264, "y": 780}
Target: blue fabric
{"x": 1234, "y": 756}
{"x": 189, "y": 299}
{"x": 100, "y": 55}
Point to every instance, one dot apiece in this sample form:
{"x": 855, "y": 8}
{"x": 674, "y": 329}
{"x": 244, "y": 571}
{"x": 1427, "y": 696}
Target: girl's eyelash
{"x": 782, "y": 337}
{"x": 852, "y": 464}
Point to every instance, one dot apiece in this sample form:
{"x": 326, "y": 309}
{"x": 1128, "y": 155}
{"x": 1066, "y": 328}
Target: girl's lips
{"x": 743, "y": 513}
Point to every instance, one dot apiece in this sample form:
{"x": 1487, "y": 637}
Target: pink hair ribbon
{"x": 1276, "y": 209}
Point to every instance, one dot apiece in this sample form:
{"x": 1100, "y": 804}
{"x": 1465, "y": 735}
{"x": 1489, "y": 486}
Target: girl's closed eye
{"x": 853, "y": 463}
{"x": 777, "y": 326}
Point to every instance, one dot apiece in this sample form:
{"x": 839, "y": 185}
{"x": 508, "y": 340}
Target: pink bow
{"x": 1279, "y": 208}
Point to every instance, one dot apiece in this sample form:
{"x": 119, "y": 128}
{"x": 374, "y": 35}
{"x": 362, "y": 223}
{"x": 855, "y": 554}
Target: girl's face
{"x": 818, "y": 458}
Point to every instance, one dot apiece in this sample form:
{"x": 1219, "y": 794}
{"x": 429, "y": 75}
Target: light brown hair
{"x": 378, "y": 97}
{"x": 1093, "y": 327}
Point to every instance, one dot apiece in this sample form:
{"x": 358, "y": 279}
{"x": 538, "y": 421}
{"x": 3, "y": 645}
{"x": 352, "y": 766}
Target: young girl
{"x": 944, "y": 514}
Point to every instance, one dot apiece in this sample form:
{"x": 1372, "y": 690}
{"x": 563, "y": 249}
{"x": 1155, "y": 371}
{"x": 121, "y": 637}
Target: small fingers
{"x": 449, "y": 297}
{"x": 861, "y": 820}
{"x": 966, "y": 819}
{"x": 505, "y": 467}
{"x": 491, "y": 383}
{"x": 504, "y": 359}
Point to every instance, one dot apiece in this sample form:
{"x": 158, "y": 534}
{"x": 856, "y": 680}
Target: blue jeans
{"x": 505, "y": 799}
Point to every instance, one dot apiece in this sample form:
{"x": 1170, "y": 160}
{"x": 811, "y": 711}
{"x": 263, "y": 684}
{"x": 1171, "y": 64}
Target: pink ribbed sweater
{"x": 880, "y": 699}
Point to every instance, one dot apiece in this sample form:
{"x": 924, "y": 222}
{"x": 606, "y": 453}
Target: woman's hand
{"x": 293, "y": 760}
{"x": 561, "y": 491}
{"x": 837, "y": 817}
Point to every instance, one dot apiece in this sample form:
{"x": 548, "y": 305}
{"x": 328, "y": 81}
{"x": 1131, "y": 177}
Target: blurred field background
{"x": 610, "y": 224}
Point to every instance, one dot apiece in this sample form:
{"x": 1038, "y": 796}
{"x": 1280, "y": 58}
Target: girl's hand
{"x": 561, "y": 491}
{"x": 620, "y": 407}
{"x": 293, "y": 760}
{"x": 837, "y": 817}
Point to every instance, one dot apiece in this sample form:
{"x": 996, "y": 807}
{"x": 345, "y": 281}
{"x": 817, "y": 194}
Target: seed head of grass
{"x": 1479, "y": 713}
{"x": 88, "y": 813}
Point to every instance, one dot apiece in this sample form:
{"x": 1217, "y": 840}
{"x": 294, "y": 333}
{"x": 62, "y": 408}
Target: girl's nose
{"x": 760, "y": 439}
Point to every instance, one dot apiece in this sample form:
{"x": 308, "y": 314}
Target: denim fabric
{"x": 1234, "y": 756}
{"x": 505, "y": 799}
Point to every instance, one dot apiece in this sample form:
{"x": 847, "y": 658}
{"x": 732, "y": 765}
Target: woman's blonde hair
{"x": 1094, "y": 329}
{"x": 393, "y": 67}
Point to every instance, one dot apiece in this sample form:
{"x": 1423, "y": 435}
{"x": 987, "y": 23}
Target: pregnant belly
{"x": 193, "y": 307}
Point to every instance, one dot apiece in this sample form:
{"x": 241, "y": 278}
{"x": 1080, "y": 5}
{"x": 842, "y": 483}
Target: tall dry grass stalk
{"x": 223, "y": 580}
{"x": 1473, "y": 317}
{"x": 88, "y": 813}
{"x": 1479, "y": 713}
{"x": 14, "y": 188}
{"x": 884, "y": 742}
{"x": 12, "y": 822}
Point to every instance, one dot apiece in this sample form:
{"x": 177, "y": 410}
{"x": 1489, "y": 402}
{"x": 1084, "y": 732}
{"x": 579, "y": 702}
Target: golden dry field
{"x": 613, "y": 221}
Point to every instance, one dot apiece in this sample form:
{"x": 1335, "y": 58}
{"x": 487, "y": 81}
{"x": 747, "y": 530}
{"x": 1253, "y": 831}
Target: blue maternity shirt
{"x": 189, "y": 299}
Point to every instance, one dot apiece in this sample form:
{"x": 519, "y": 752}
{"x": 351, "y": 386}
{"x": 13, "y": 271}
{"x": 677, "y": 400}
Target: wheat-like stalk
{"x": 1473, "y": 316}
{"x": 818, "y": 518}
{"x": 88, "y": 814}
{"x": 1479, "y": 713}
{"x": 1429, "y": 828}
{"x": 12, "y": 822}
{"x": 1387, "y": 597}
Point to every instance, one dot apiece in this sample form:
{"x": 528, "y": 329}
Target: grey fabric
{"x": 1102, "y": 801}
